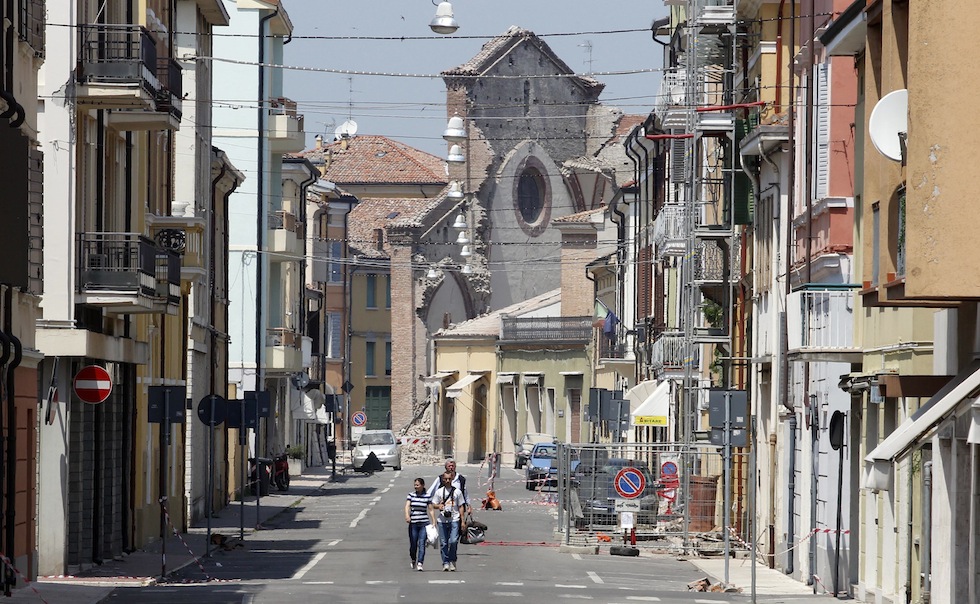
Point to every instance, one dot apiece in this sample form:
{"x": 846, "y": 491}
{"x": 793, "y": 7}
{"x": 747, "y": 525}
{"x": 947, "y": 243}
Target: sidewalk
{"x": 769, "y": 582}
{"x": 144, "y": 567}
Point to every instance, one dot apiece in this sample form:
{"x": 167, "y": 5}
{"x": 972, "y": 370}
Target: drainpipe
{"x": 5, "y": 544}
{"x": 11, "y": 519}
{"x": 778, "y": 104}
{"x": 927, "y": 532}
{"x": 791, "y": 500}
{"x": 260, "y": 219}
{"x": 212, "y": 314}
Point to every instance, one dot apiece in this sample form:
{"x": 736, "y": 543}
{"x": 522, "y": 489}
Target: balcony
{"x": 284, "y": 129}
{"x": 167, "y": 109}
{"x": 283, "y": 350}
{"x": 127, "y": 273}
{"x": 185, "y": 235}
{"x": 117, "y": 68}
{"x": 671, "y": 104}
{"x": 667, "y": 352}
{"x": 670, "y": 231}
{"x": 284, "y": 238}
{"x": 610, "y": 349}
{"x": 821, "y": 325}
{"x": 570, "y": 330}
{"x": 716, "y": 16}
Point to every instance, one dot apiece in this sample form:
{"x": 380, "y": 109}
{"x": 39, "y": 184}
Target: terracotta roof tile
{"x": 581, "y": 217}
{"x": 373, "y": 159}
{"x": 371, "y": 214}
{"x": 625, "y": 125}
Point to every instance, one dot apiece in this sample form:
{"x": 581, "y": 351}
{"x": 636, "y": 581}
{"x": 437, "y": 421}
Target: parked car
{"x": 523, "y": 446}
{"x": 597, "y": 492}
{"x": 541, "y": 468}
{"x": 380, "y": 442}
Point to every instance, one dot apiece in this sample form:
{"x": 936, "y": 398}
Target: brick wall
{"x": 404, "y": 330}
{"x": 577, "y": 294}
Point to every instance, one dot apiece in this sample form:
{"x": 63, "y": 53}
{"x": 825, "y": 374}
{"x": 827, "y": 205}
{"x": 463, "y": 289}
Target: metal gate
{"x": 674, "y": 497}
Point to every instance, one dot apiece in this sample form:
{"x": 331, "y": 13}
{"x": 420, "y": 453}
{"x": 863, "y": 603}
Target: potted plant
{"x": 295, "y": 455}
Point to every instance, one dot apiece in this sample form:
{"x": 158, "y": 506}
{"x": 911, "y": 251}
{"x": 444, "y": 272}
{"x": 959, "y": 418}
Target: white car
{"x": 380, "y": 442}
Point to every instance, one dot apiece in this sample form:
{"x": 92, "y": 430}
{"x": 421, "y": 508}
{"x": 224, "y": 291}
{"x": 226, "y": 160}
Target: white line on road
{"x": 334, "y": 542}
{"x": 386, "y": 489}
{"x": 577, "y": 556}
{"x": 706, "y": 602}
{"x": 574, "y": 597}
{"x": 560, "y": 586}
{"x": 510, "y": 584}
{"x": 378, "y": 582}
{"x": 353, "y": 523}
{"x": 644, "y": 598}
{"x": 317, "y": 582}
{"x": 506, "y": 594}
{"x": 306, "y": 567}
{"x": 376, "y": 499}
{"x": 446, "y": 581}
{"x": 595, "y": 578}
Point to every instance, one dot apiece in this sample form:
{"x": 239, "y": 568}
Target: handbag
{"x": 473, "y": 535}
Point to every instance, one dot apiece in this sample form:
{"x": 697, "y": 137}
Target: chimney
{"x": 319, "y": 142}
{"x": 379, "y": 239}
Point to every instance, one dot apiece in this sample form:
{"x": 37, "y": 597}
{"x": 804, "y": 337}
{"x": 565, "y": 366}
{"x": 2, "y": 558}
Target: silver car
{"x": 380, "y": 442}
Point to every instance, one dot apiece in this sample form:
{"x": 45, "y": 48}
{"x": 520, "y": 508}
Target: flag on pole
{"x": 599, "y": 319}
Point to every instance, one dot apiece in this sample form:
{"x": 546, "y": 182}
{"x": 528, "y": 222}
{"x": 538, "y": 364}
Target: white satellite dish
{"x": 889, "y": 124}
{"x": 346, "y": 130}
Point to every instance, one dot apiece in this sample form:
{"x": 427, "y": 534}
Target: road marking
{"x": 378, "y": 582}
{"x": 574, "y": 597}
{"x": 376, "y": 499}
{"x": 706, "y": 602}
{"x": 507, "y": 594}
{"x": 334, "y": 542}
{"x": 644, "y": 598}
{"x": 595, "y": 578}
{"x": 353, "y": 523}
{"x": 446, "y": 581}
{"x": 306, "y": 567}
{"x": 510, "y": 584}
{"x": 317, "y": 582}
{"x": 577, "y": 556}
{"x": 560, "y": 586}
{"x": 386, "y": 489}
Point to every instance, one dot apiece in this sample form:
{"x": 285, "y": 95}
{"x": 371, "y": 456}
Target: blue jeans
{"x": 416, "y": 541}
{"x": 449, "y": 535}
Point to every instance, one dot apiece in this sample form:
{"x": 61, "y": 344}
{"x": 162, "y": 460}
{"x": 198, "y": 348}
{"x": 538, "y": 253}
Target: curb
{"x": 579, "y": 549}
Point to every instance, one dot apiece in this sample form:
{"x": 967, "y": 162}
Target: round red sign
{"x": 92, "y": 384}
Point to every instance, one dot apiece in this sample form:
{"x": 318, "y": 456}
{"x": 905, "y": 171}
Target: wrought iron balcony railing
{"x": 611, "y": 349}
{"x": 668, "y": 351}
{"x": 561, "y": 329}
{"x": 119, "y": 262}
{"x": 170, "y": 95}
{"x": 117, "y": 54}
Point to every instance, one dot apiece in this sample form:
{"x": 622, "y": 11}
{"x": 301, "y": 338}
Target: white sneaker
{"x": 445, "y": 568}
{"x": 419, "y": 566}
{"x": 452, "y": 566}
{"x": 412, "y": 565}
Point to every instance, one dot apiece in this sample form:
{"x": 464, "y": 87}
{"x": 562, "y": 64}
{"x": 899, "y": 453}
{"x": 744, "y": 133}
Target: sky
{"x": 412, "y": 109}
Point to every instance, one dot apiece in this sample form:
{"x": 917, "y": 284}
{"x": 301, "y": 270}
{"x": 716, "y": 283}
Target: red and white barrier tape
{"x": 166, "y": 513}
{"x": 27, "y": 582}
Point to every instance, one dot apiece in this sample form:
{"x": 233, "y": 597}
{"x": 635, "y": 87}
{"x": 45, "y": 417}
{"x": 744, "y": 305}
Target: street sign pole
{"x": 241, "y": 468}
{"x": 164, "y": 445}
{"x": 209, "y": 499}
{"x": 728, "y": 477}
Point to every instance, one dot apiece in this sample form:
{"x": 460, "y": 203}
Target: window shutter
{"x": 678, "y": 161}
{"x": 822, "y": 168}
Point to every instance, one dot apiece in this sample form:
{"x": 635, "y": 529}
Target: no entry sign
{"x": 92, "y": 384}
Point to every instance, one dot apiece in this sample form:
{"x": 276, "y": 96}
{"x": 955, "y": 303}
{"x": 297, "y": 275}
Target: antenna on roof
{"x": 588, "y": 48}
{"x": 346, "y": 130}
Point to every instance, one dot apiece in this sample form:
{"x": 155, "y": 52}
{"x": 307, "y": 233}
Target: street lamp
{"x": 456, "y": 155}
{"x": 444, "y": 22}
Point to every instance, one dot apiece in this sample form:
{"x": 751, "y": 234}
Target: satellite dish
{"x": 889, "y": 123}
{"x": 346, "y": 130}
{"x": 677, "y": 94}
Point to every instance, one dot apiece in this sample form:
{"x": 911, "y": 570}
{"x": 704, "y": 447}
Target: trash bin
{"x": 332, "y": 450}
{"x": 704, "y": 495}
{"x": 260, "y": 478}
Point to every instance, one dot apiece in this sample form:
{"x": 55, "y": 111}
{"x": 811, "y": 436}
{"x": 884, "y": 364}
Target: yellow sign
{"x": 650, "y": 420}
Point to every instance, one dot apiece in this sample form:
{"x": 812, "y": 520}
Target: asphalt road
{"x": 348, "y": 543}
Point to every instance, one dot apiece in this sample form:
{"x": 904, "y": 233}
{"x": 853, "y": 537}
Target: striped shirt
{"x": 419, "y": 506}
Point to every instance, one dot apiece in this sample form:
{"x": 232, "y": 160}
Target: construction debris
{"x": 704, "y": 584}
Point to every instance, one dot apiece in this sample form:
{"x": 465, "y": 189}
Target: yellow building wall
{"x": 471, "y": 356}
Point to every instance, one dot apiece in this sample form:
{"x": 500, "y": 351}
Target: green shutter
{"x": 743, "y": 194}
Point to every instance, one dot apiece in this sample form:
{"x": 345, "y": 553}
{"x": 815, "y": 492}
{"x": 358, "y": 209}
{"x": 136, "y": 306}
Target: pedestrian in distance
{"x": 418, "y": 514}
{"x": 457, "y": 480}
{"x": 451, "y": 508}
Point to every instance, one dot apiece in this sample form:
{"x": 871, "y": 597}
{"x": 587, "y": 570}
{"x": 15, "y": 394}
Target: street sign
{"x": 347, "y": 387}
{"x": 626, "y": 505}
{"x": 262, "y": 399}
{"x": 358, "y": 419}
{"x": 92, "y": 384}
{"x": 165, "y": 404}
{"x": 629, "y": 483}
{"x": 212, "y": 410}
{"x": 668, "y": 468}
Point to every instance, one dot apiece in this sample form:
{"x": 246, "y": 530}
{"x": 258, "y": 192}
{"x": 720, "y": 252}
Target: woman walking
{"x": 418, "y": 515}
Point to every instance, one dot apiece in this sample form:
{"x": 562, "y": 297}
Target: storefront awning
{"x": 310, "y": 407}
{"x": 438, "y": 376}
{"x": 454, "y": 390}
{"x": 655, "y": 410}
{"x": 903, "y": 438}
{"x": 639, "y": 393}
{"x": 531, "y": 378}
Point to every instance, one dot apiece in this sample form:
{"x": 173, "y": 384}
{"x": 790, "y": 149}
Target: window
{"x": 387, "y": 291}
{"x": 334, "y": 335}
{"x": 335, "y": 262}
{"x": 372, "y": 291}
{"x": 530, "y": 195}
{"x": 369, "y": 352}
{"x": 387, "y": 358}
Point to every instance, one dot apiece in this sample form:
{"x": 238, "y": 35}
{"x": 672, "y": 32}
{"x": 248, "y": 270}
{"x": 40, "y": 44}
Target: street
{"x": 347, "y": 543}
